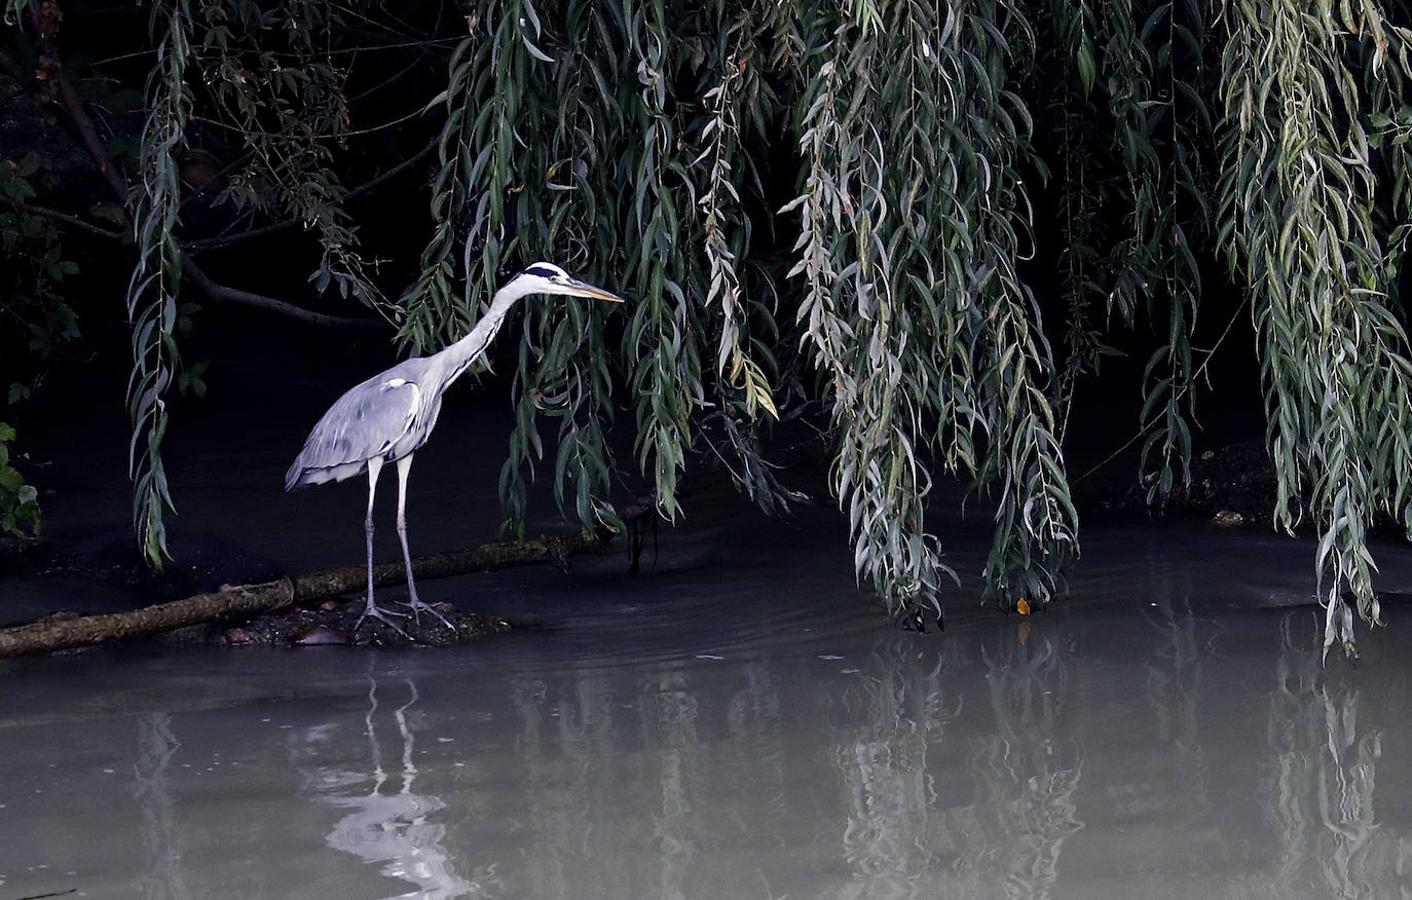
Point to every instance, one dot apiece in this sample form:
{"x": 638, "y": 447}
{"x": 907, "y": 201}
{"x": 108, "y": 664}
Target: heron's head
{"x": 547, "y": 278}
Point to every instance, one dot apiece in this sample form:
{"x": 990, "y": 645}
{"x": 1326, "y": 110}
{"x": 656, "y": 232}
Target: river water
{"x": 733, "y": 722}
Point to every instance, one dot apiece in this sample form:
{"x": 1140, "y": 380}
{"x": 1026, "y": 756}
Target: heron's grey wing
{"x": 364, "y": 423}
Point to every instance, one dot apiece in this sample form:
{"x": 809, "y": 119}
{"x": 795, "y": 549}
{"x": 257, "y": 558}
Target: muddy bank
{"x": 334, "y": 623}
{"x": 327, "y": 621}
{"x": 1230, "y": 485}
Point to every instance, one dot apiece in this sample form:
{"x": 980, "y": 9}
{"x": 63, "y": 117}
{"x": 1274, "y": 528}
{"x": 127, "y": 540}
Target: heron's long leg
{"x": 404, "y": 468}
{"x": 372, "y": 610}
{"x": 374, "y": 469}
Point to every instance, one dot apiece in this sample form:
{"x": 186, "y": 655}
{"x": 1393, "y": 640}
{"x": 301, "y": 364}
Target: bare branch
{"x": 229, "y": 294}
{"x": 219, "y": 292}
{"x": 60, "y": 632}
{"x": 73, "y": 221}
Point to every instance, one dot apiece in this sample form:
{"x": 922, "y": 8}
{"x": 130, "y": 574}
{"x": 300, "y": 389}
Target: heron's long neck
{"x": 457, "y": 358}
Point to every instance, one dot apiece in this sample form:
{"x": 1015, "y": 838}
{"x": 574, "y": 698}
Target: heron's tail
{"x": 302, "y": 475}
{"x": 294, "y": 478}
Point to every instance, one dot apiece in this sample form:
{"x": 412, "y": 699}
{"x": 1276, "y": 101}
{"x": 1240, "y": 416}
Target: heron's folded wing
{"x": 362, "y": 424}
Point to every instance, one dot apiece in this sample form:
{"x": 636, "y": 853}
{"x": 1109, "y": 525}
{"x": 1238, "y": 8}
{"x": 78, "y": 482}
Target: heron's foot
{"x": 373, "y": 611}
{"x": 418, "y": 607}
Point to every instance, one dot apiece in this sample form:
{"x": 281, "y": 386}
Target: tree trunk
{"x": 62, "y": 632}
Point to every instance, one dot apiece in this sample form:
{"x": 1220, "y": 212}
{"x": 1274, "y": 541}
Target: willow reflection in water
{"x": 1173, "y": 692}
{"x": 901, "y": 839}
{"x": 888, "y": 792}
{"x": 392, "y": 824}
{"x": 1319, "y": 786}
{"x": 165, "y": 877}
{"x": 625, "y": 794}
{"x": 1166, "y": 794}
{"x": 1070, "y": 756}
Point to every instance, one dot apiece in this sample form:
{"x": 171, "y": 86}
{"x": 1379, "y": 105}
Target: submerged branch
{"x": 249, "y": 600}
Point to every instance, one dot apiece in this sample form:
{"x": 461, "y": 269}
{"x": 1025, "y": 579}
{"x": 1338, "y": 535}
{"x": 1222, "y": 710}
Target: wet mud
{"x": 340, "y": 623}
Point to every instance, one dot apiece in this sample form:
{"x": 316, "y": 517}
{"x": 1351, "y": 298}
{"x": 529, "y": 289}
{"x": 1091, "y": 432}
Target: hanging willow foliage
{"x": 656, "y": 146}
{"x": 1300, "y": 89}
{"x": 291, "y": 119}
{"x": 155, "y": 288}
{"x": 1161, "y": 121}
{"x": 1137, "y": 191}
{"x": 910, "y": 244}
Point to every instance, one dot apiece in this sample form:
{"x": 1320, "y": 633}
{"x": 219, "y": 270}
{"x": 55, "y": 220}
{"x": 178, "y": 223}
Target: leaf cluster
{"x": 19, "y": 502}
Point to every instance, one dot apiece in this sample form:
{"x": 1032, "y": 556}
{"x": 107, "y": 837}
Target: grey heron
{"x": 390, "y": 416}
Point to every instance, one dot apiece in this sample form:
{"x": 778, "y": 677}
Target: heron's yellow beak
{"x": 583, "y": 289}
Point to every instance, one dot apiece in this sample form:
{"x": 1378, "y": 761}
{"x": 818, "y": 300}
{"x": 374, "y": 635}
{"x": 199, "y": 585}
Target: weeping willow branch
{"x": 1152, "y": 62}
{"x": 1299, "y": 200}
{"x": 155, "y": 286}
{"x": 914, "y": 308}
{"x": 660, "y": 339}
{"x": 740, "y": 295}
{"x": 1178, "y": 126}
{"x": 851, "y": 319}
{"x": 1084, "y": 348}
{"x": 433, "y": 313}
{"x": 1036, "y": 524}
{"x": 563, "y": 367}
{"x": 727, "y": 233}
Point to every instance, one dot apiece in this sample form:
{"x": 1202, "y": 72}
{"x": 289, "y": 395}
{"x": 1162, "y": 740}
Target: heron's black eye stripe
{"x": 542, "y": 272}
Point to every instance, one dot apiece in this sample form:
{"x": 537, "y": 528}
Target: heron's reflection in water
{"x": 392, "y": 825}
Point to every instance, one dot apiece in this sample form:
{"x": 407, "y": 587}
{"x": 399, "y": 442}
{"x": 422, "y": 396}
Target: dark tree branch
{"x": 369, "y": 91}
{"x": 218, "y": 292}
{"x": 260, "y": 301}
{"x": 73, "y": 107}
{"x": 265, "y": 230}
{"x": 65, "y": 218}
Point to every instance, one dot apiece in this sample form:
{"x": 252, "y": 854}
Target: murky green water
{"x": 733, "y": 723}
{"x": 697, "y": 733}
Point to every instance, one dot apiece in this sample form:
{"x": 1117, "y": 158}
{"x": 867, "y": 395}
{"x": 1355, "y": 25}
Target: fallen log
{"x": 64, "y": 632}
